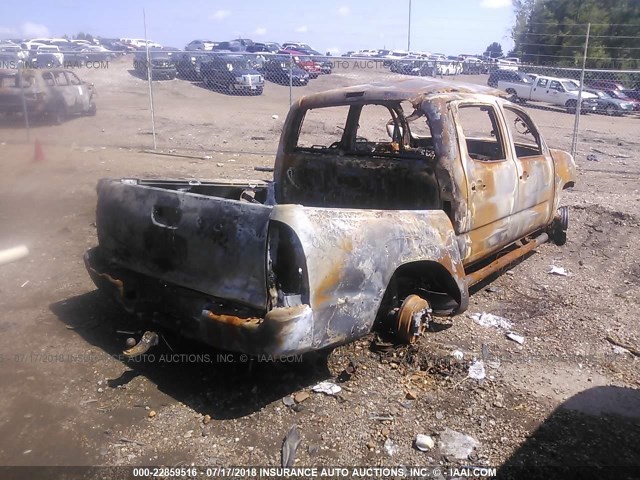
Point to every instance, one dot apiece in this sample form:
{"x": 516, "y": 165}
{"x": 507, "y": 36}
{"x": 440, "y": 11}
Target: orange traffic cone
{"x": 38, "y": 154}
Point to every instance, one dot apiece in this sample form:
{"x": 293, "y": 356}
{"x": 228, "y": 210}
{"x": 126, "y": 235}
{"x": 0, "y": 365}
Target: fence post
{"x": 25, "y": 113}
{"x": 290, "y": 79}
{"x": 576, "y": 125}
{"x": 149, "y": 81}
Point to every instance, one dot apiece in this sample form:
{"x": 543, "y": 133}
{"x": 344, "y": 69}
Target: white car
{"x": 556, "y": 91}
{"x": 204, "y": 45}
{"x": 52, "y": 49}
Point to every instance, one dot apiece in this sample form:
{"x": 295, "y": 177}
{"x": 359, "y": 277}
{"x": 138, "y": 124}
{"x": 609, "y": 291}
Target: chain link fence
{"x": 207, "y": 103}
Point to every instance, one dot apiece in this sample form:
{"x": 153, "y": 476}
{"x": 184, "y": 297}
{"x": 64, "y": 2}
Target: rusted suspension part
{"x": 412, "y": 318}
{"x": 148, "y": 340}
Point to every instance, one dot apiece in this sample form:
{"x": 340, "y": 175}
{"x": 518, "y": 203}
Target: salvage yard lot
{"x": 70, "y": 399}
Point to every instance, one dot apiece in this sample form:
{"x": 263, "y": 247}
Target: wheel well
{"x": 570, "y": 102}
{"x": 428, "y": 279}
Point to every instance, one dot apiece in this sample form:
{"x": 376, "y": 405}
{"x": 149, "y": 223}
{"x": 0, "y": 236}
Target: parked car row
{"x": 598, "y": 96}
{"x": 232, "y": 72}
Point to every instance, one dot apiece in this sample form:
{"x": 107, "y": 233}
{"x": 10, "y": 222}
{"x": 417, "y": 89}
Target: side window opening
{"x": 61, "y": 79}
{"x": 48, "y": 79}
{"x": 525, "y": 136}
{"x": 481, "y": 131}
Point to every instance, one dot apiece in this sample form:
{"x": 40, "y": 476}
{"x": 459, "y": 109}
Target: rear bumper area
{"x": 281, "y": 331}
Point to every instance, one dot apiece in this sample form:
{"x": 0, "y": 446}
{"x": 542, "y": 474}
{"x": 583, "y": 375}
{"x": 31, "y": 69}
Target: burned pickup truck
{"x": 388, "y": 203}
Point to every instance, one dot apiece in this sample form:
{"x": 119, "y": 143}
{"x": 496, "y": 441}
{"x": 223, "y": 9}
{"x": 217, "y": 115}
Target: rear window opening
{"x": 377, "y": 156}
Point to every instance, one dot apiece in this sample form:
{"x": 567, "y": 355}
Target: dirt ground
{"x": 566, "y": 397}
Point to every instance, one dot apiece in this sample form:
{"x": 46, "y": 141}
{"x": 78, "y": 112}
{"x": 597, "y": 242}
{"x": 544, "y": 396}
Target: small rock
{"x": 100, "y": 390}
{"x": 592, "y": 158}
{"x": 152, "y": 413}
{"x": 411, "y": 395}
{"x": 424, "y": 443}
{"x": 390, "y": 447}
{"x": 131, "y": 342}
{"x": 300, "y": 397}
{"x": 439, "y": 415}
{"x": 207, "y": 157}
{"x": 220, "y": 164}
{"x": 275, "y": 117}
{"x": 456, "y": 445}
{"x": 385, "y": 432}
{"x": 371, "y": 445}
{"x": 498, "y": 404}
{"x": 288, "y": 401}
{"x": 457, "y": 354}
{"x": 188, "y": 434}
{"x": 206, "y": 419}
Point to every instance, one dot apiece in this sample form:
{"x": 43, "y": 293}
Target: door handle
{"x": 165, "y": 217}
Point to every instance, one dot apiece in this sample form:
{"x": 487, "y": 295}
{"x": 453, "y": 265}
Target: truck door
{"x": 536, "y": 193}
{"x": 540, "y": 91}
{"x": 492, "y": 179}
{"x": 81, "y": 91}
{"x": 65, "y": 90}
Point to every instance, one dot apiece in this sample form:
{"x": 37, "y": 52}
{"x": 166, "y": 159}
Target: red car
{"x": 305, "y": 62}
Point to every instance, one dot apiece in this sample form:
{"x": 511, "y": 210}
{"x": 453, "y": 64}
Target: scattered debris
{"x": 348, "y": 372}
{"x": 457, "y": 445}
{"x": 457, "y": 354}
{"x": 485, "y": 319}
{"x": 288, "y": 401}
{"x": 300, "y": 397}
{"x": 492, "y": 289}
{"x": 257, "y": 137}
{"x": 411, "y": 395}
{"x": 424, "y": 443}
{"x": 152, "y": 413}
{"x": 263, "y": 169}
{"x": 592, "y": 158}
{"x": 553, "y": 270}
{"x": 206, "y": 419}
{"x": 24, "y": 284}
{"x": 290, "y": 445}
{"x": 515, "y": 337}
{"x": 629, "y": 348}
{"x": 13, "y": 254}
{"x": 275, "y": 117}
{"x": 91, "y": 400}
{"x": 390, "y": 447}
{"x": 477, "y": 371}
{"x": 327, "y": 387}
{"x": 128, "y": 440}
{"x": 381, "y": 418}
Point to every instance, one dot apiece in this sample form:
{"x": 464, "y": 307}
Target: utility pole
{"x": 409, "y": 30}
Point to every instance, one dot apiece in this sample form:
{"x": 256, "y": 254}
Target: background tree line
{"x": 552, "y": 32}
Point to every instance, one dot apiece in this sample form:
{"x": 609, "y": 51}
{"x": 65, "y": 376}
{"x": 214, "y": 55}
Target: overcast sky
{"x": 450, "y": 27}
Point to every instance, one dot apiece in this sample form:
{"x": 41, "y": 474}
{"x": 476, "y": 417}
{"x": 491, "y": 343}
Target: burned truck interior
{"x": 374, "y": 155}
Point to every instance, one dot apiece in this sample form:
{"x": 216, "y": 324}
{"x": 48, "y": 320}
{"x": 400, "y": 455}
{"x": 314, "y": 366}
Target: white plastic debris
{"x": 328, "y": 388}
{"x": 553, "y": 270}
{"x": 275, "y": 117}
{"x": 457, "y": 445}
{"x": 620, "y": 350}
{"x": 485, "y": 319}
{"x": 424, "y": 443}
{"x": 457, "y": 354}
{"x": 477, "y": 371}
{"x": 390, "y": 447}
{"x": 515, "y": 337}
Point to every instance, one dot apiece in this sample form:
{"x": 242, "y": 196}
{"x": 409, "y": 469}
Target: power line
{"x": 619, "y": 59}
{"x": 578, "y": 46}
{"x": 575, "y": 35}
